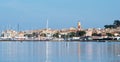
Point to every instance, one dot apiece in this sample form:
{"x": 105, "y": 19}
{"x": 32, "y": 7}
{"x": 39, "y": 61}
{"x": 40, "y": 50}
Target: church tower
{"x": 79, "y": 26}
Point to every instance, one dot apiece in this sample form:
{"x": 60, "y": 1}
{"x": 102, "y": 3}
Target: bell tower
{"x": 79, "y": 26}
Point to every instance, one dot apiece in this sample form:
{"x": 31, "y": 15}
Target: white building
{"x": 8, "y": 34}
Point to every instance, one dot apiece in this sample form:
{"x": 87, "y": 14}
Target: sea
{"x": 59, "y": 51}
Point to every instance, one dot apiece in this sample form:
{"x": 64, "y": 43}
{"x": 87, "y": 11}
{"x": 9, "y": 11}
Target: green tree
{"x": 72, "y": 34}
{"x": 35, "y": 34}
{"x": 28, "y": 35}
{"x": 95, "y": 34}
{"x": 109, "y": 34}
{"x": 56, "y": 35}
{"x": 63, "y": 36}
{"x": 117, "y": 23}
{"x": 43, "y": 34}
{"x": 110, "y": 26}
{"x": 80, "y": 33}
{"x": 2, "y": 35}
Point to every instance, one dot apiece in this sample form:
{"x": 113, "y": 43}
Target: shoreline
{"x": 61, "y": 40}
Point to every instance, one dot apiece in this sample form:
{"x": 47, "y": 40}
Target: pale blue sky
{"x": 32, "y": 14}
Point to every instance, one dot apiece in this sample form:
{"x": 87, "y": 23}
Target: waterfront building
{"x": 89, "y": 32}
{"x": 72, "y": 29}
{"x": 66, "y": 31}
{"x": 8, "y": 34}
{"x": 116, "y": 34}
{"x": 20, "y": 36}
{"x": 49, "y": 32}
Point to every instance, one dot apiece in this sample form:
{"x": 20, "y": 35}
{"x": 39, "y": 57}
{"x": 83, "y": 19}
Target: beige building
{"x": 20, "y": 36}
{"x": 89, "y": 32}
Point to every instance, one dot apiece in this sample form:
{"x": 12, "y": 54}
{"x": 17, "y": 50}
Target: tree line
{"x": 115, "y": 24}
{"x": 71, "y": 34}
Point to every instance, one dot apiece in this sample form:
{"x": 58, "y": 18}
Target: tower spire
{"x": 79, "y": 26}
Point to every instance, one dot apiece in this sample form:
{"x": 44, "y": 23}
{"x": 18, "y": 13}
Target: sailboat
{"x": 48, "y": 34}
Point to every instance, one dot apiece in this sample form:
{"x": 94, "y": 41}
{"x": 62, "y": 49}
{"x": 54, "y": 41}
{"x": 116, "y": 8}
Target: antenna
{"x": 18, "y": 27}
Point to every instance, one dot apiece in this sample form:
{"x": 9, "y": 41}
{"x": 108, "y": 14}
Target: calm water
{"x": 59, "y": 52}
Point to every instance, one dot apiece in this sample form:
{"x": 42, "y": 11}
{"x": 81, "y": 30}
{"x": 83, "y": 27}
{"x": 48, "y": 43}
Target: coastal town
{"x": 110, "y": 32}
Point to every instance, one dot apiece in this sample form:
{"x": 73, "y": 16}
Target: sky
{"x": 33, "y": 14}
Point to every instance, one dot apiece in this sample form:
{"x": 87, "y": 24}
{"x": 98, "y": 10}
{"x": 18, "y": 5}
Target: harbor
{"x": 59, "y": 30}
{"x": 70, "y": 34}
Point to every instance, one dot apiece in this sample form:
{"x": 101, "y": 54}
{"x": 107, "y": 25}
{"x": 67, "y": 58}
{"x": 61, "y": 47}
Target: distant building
{"x": 49, "y": 32}
{"x": 79, "y": 26}
{"x": 9, "y": 34}
{"x": 89, "y": 32}
{"x": 20, "y": 36}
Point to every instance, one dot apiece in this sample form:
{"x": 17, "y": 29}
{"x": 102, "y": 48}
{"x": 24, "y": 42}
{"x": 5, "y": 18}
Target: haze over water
{"x": 59, "y": 52}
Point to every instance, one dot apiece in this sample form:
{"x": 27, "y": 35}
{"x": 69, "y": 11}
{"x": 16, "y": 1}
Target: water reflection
{"x": 59, "y": 52}
{"x": 48, "y": 51}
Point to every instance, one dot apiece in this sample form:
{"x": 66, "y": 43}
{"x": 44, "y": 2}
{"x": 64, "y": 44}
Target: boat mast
{"x": 47, "y": 25}
{"x": 47, "y": 28}
{"x": 18, "y": 27}
{"x": 47, "y": 46}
